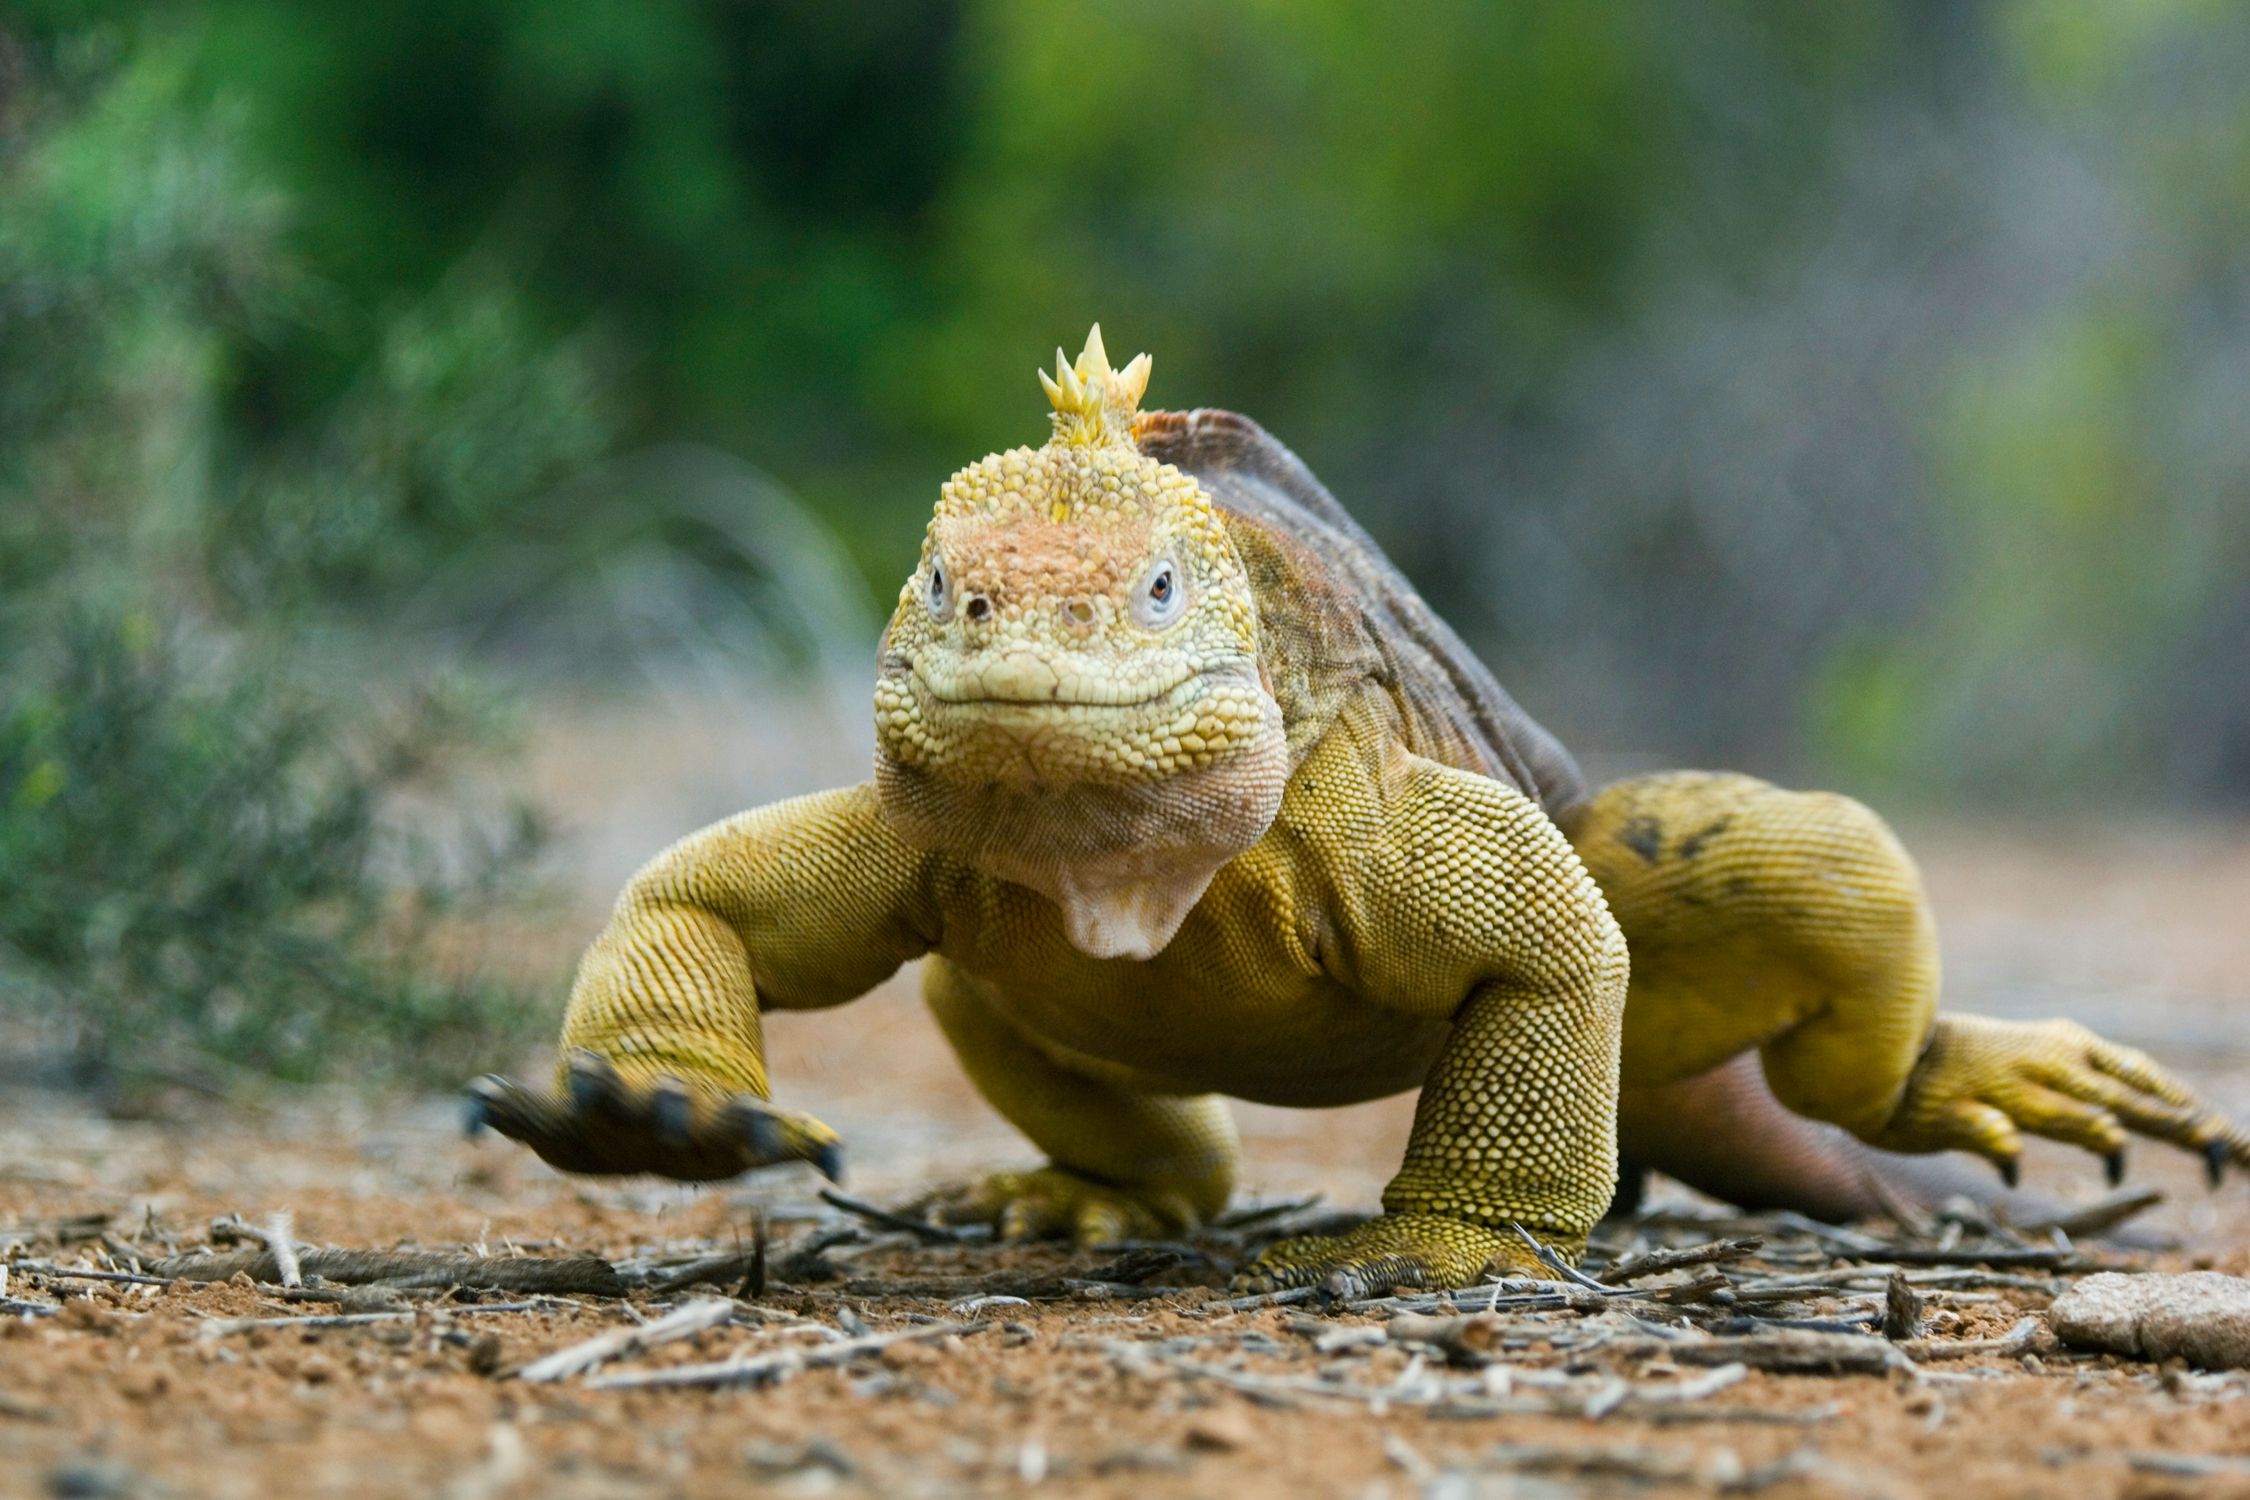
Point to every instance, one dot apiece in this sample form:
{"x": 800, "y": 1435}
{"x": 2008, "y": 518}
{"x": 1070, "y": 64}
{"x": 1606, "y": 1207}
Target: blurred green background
{"x": 1854, "y": 393}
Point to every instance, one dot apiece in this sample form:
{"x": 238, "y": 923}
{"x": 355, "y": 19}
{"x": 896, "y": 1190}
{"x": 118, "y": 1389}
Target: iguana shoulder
{"x": 1335, "y": 613}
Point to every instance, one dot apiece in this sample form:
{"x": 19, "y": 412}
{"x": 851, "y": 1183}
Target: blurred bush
{"x": 257, "y": 651}
{"x": 201, "y": 836}
{"x": 204, "y": 885}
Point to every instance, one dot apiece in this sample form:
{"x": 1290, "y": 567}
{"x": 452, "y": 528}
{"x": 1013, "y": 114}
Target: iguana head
{"x": 1070, "y": 695}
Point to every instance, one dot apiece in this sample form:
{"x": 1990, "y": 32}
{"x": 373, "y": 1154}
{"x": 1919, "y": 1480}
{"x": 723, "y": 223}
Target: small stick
{"x": 928, "y": 1234}
{"x": 778, "y": 1364}
{"x": 65, "y": 1273}
{"x": 1032, "y": 1286}
{"x": 218, "y": 1326}
{"x": 585, "y": 1274}
{"x": 1651, "y": 1262}
{"x": 681, "y": 1322}
{"x": 1809, "y": 1416}
{"x": 2056, "y": 1259}
{"x": 2103, "y": 1213}
{"x": 1467, "y": 1339}
{"x": 754, "y": 1284}
{"x": 1790, "y": 1352}
{"x": 1902, "y": 1310}
{"x": 1895, "y": 1205}
{"x": 1553, "y": 1261}
{"x": 713, "y": 1270}
{"x": 1701, "y": 1388}
{"x": 280, "y": 1235}
{"x": 1287, "y": 1296}
{"x": 23, "y": 1411}
{"x": 1252, "y": 1214}
{"x": 2026, "y": 1335}
{"x": 1644, "y": 1465}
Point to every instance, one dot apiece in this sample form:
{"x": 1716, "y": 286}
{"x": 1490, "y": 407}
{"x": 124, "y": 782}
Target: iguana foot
{"x": 604, "y": 1121}
{"x": 1057, "y": 1203}
{"x": 1982, "y": 1083}
{"x": 1423, "y": 1250}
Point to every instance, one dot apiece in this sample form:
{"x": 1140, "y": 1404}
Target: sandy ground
{"x": 146, "y": 1390}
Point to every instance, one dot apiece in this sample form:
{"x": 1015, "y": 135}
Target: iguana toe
{"x": 1056, "y": 1203}
{"x": 1982, "y": 1085}
{"x": 1392, "y": 1250}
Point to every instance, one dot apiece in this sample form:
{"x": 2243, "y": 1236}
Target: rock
{"x": 2202, "y": 1317}
{"x": 1220, "y": 1431}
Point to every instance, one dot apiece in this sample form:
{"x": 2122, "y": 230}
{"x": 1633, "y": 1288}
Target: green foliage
{"x": 202, "y": 879}
{"x": 203, "y": 828}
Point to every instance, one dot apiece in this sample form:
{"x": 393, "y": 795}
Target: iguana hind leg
{"x": 1793, "y": 923}
{"x": 1126, "y": 1162}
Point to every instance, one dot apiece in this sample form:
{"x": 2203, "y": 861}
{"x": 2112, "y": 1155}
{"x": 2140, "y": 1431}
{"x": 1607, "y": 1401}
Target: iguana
{"x": 1181, "y": 791}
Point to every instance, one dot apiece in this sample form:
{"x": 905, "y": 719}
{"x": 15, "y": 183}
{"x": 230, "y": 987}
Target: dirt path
{"x": 143, "y": 1390}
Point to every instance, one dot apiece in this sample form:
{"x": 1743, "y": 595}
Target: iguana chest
{"x": 1243, "y": 1001}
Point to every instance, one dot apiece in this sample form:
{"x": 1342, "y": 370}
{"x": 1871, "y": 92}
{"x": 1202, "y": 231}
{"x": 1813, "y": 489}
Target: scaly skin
{"x": 1181, "y": 791}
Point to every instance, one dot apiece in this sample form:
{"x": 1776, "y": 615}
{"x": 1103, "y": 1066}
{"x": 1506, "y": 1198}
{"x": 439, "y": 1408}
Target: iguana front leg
{"x": 800, "y": 905}
{"x": 1471, "y": 902}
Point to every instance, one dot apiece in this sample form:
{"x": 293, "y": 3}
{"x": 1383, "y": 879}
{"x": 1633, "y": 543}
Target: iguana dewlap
{"x": 1182, "y": 792}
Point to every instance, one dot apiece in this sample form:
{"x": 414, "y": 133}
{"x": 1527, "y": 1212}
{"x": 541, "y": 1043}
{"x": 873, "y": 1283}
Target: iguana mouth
{"x": 1025, "y": 681}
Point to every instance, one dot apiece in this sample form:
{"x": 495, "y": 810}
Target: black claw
{"x": 829, "y": 1162}
{"x": 2113, "y": 1166}
{"x": 2011, "y": 1170}
{"x": 591, "y": 1081}
{"x": 764, "y": 1133}
{"x": 671, "y": 1113}
{"x": 2214, "y": 1162}
{"x": 476, "y": 1110}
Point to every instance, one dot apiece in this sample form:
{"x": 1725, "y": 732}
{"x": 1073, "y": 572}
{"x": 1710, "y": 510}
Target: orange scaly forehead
{"x": 1038, "y": 555}
{"x": 1104, "y": 501}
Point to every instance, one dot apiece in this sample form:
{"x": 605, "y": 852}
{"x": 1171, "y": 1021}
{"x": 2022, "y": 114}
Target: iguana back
{"x": 1335, "y": 612}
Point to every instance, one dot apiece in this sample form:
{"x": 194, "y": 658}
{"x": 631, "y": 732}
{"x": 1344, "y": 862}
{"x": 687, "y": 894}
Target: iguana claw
{"x": 606, "y": 1121}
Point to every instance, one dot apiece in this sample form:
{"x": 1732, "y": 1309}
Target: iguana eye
{"x": 1161, "y": 596}
{"x": 940, "y": 596}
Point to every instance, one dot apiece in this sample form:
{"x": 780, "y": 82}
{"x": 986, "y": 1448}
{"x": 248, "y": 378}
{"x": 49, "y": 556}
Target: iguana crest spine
{"x": 1094, "y": 404}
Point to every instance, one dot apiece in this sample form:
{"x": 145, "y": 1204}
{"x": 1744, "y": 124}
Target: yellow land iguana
{"x": 1181, "y": 791}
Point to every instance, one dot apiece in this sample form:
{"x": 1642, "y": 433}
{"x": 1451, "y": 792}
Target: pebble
{"x": 1220, "y": 1431}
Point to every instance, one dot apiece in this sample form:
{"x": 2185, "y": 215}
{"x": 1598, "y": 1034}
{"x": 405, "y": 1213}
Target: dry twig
{"x": 583, "y": 1275}
{"x": 778, "y": 1364}
{"x": 1652, "y": 1262}
{"x": 682, "y": 1322}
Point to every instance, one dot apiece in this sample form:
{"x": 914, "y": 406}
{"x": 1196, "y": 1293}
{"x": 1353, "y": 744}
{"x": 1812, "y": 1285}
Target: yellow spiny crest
{"x": 1094, "y": 404}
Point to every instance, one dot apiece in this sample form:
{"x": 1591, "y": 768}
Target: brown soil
{"x": 128, "y": 1390}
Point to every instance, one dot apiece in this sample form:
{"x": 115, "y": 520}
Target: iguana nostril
{"x": 1079, "y": 612}
{"x": 977, "y": 607}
